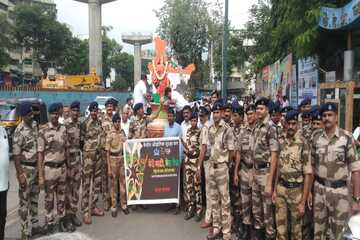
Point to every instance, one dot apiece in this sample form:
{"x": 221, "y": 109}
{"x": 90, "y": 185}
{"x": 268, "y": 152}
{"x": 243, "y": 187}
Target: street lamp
{"x": 225, "y": 50}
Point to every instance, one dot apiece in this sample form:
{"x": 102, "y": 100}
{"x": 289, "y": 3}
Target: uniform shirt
{"x": 264, "y": 141}
{"x": 204, "y": 135}
{"x": 221, "y": 141}
{"x": 137, "y": 128}
{"x": 25, "y": 142}
{"x": 91, "y": 131}
{"x": 193, "y": 142}
{"x": 334, "y": 158}
{"x": 73, "y": 133}
{"x": 279, "y": 128}
{"x": 106, "y": 124}
{"x": 4, "y": 160}
{"x": 243, "y": 144}
{"x": 52, "y": 141}
{"x": 115, "y": 140}
{"x": 172, "y": 131}
{"x": 294, "y": 159}
{"x": 307, "y": 132}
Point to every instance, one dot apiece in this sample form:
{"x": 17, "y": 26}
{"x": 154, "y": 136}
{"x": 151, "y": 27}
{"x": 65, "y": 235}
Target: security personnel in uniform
{"x": 74, "y": 166}
{"x": 334, "y": 159}
{"x": 25, "y": 156}
{"x": 226, "y": 113}
{"x": 283, "y": 112}
{"x": 221, "y": 141}
{"x": 91, "y": 131}
{"x": 192, "y": 185}
{"x": 244, "y": 171}
{"x": 52, "y": 154}
{"x": 293, "y": 180}
{"x": 115, "y": 163}
{"x": 275, "y": 116}
{"x": 306, "y": 124}
{"x": 106, "y": 124}
{"x": 265, "y": 148}
{"x": 237, "y": 124}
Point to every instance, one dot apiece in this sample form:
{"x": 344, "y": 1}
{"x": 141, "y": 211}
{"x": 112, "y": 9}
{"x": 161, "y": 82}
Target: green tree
{"x": 36, "y": 28}
{"x": 123, "y": 63}
{"x": 76, "y": 59}
{"x": 5, "y": 40}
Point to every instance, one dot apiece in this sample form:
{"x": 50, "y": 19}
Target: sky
{"x": 128, "y": 16}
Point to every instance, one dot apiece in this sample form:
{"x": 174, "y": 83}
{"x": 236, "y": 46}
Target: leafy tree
{"x": 5, "y": 40}
{"x": 123, "y": 63}
{"x": 76, "y": 59}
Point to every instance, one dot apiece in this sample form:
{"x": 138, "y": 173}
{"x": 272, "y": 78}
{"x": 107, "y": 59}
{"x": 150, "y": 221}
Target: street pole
{"x": 225, "y": 50}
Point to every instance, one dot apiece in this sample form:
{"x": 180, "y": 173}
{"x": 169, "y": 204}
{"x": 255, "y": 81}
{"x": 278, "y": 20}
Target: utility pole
{"x": 225, "y": 50}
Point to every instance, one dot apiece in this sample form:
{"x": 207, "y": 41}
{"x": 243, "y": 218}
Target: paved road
{"x": 151, "y": 224}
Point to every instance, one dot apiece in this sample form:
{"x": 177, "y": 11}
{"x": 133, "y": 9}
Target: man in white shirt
{"x": 140, "y": 91}
{"x": 4, "y": 178}
{"x": 125, "y": 121}
{"x": 185, "y": 125}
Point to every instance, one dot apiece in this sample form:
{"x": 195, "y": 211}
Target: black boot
{"x": 246, "y": 234}
{"x": 75, "y": 220}
{"x": 51, "y": 228}
{"x": 37, "y": 231}
{"x": 68, "y": 224}
{"x": 62, "y": 225}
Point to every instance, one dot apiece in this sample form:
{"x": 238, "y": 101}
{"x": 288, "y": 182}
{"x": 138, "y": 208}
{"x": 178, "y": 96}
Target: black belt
{"x": 74, "y": 153}
{"x": 331, "y": 183}
{"x": 262, "y": 165}
{"x": 290, "y": 184}
{"x": 247, "y": 165}
{"x": 54, "y": 164}
{"x": 29, "y": 164}
{"x": 118, "y": 154}
{"x": 216, "y": 165}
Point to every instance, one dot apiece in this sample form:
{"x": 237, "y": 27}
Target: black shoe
{"x": 126, "y": 211}
{"x": 37, "y": 231}
{"x": 68, "y": 224}
{"x": 75, "y": 220}
{"x": 189, "y": 215}
{"x": 246, "y": 234}
{"x": 51, "y": 228}
{"x": 197, "y": 217}
{"x": 114, "y": 213}
{"x": 62, "y": 226}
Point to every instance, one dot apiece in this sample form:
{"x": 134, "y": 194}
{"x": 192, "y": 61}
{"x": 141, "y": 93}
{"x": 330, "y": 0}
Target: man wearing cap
{"x": 91, "y": 131}
{"x": 226, "y": 113}
{"x": 243, "y": 173}
{"x": 204, "y": 162}
{"x": 235, "y": 198}
{"x": 106, "y": 124}
{"x": 52, "y": 154}
{"x": 115, "y": 166}
{"x": 25, "y": 156}
{"x": 192, "y": 185}
{"x": 334, "y": 159}
{"x": 306, "y": 124}
{"x": 275, "y": 116}
{"x": 283, "y": 112}
{"x": 221, "y": 141}
{"x": 73, "y": 166}
{"x": 293, "y": 180}
{"x": 265, "y": 147}
{"x": 304, "y": 106}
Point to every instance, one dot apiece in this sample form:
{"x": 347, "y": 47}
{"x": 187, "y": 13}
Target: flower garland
{"x": 163, "y": 75}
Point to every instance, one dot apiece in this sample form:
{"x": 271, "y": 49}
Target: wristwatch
{"x": 356, "y": 199}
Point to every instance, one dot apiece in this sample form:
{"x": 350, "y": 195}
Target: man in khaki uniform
{"x": 265, "y": 148}
{"x": 106, "y": 124}
{"x": 334, "y": 159}
{"x": 244, "y": 165}
{"x": 221, "y": 141}
{"x": 91, "y": 131}
{"x": 25, "y": 156}
{"x": 138, "y": 123}
{"x": 204, "y": 156}
{"x": 52, "y": 155}
{"x": 73, "y": 165}
{"x": 293, "y": 180}
{"x": 116, "y": 171}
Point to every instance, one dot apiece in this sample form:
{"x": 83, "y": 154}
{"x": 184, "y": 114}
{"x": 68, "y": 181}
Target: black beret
{"x": 116, "y": 117}
{"x": 250, "y": 108}
{"x": 286, "y": 109}
{"x": 171, "y": 111}
{"x": 326, "y": 107}
{"x": 115, "y": 102}
{"x": 138, "y": 106}
{"x": 274, "y": 107}
{"x": 306, "y": 101}
{"x": 306, "y": 114}
{"x": 216, "y": 107}
{"x": 262, "y": 101}
{"x": 316, "y": 115}
{"x": 194, "y": 115}
{"x": 60, "y": 105}
{"x": 109, "y": 101}
{"x": 75, "y": 104}
{"x": 203, "y": 111}
{"x": 54, "y": 108}
{"x": 226, "y": 106}
{"x": 93, "y": 106}
{"x": 238, "y": 109}
{"x": 292, "y": 115}
{"x": 25, "y": 108}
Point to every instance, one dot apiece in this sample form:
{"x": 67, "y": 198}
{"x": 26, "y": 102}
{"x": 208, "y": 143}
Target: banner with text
{"x": 152, "y": 170}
